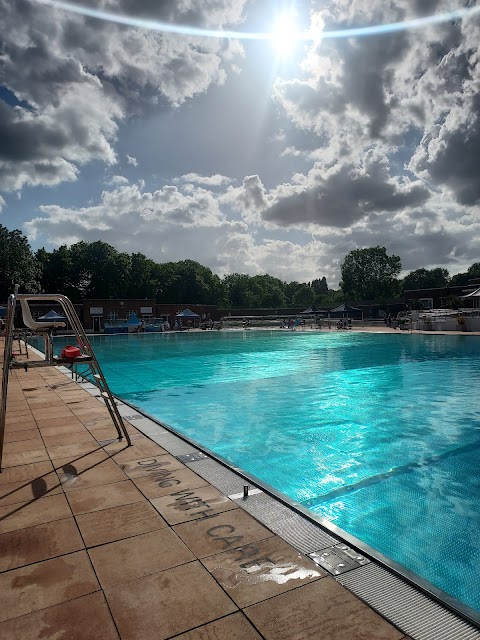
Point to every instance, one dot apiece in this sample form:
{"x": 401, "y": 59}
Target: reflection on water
{"x": 330, "y": 419}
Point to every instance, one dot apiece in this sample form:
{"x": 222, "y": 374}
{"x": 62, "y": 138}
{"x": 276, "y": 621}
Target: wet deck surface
{"x": 103, "y": 541}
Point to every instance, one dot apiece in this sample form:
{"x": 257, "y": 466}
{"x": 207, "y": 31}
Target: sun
{"x": 284, "y": 35}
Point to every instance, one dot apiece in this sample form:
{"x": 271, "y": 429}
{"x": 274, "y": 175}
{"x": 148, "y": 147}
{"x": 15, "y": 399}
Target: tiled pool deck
{"x": 102, "y": 541}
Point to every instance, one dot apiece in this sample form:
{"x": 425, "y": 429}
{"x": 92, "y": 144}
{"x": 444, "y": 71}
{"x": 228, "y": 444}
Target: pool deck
{"x": 100, "y": 541}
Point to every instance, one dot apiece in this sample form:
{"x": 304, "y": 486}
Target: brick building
{"x": 437, "y": 298}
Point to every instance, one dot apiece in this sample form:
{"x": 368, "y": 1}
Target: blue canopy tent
{"x": 52, "y": 316}
{"x": 312, "y": 311}
{"x": 346, "y": 311}
{"x": 3, "y": 312}
{"x": 188, "y": 315}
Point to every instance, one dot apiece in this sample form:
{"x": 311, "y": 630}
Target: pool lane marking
{"x": 380, "y": 477}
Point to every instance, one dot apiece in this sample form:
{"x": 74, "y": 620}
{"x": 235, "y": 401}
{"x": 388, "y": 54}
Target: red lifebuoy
{"x": 71, "y": 352}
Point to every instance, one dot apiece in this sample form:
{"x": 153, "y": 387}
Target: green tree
{"x": 18, "y": 265}
{"x": 454, "y": 302}
{"x": 474, "y": 270}
{"x": 320, "y": 287}
{"x": 188, "y": 282}
{"x": 291, "y": 288}
{"x": 267, "y": 292}
{"x": 58, "y": 273}
{"x": 304, "y": 297}
{"x": 459, "y": 279}
{"x": 332, "y": 297}
{"x": 426, "y": 279}
{"x": 100, "y": 270}
{"x": 370, "y": 273}
{"x": 238, "y": 290}
{"x": 144, "y": 281}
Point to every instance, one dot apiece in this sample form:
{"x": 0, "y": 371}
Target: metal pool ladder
{"x": 46, "y": 329}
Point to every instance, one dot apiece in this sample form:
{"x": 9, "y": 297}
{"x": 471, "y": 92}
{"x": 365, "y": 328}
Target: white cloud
{"x": 78, "y": 78}
{"x": 216, "y": 180}
{"x": 116, "y": 180}
{"x": 131, "y": 160}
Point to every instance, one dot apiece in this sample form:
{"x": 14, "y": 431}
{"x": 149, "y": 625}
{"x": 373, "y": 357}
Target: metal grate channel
{"x": 219, "y": 476}
{"x": 302, "y": 534}
{"x": 267, "y": 510}
{"x": 172, "y": 444}
{"x": 408, "y": 609}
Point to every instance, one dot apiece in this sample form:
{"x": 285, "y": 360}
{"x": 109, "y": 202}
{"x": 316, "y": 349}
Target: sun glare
{"x": 284, "y": 35}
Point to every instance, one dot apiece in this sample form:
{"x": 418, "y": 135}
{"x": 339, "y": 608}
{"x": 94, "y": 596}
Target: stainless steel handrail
{"x": 7, "y": 357}
{"x": 88, "y": 355}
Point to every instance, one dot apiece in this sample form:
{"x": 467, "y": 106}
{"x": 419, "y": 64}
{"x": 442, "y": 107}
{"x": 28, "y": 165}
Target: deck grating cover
{"x": 266, "y": 509}
{"x": 302, "y": 534}
{"x": 219, "y": 476}
{"x": 410, "y": 610}
{"x": 175, "y": 446}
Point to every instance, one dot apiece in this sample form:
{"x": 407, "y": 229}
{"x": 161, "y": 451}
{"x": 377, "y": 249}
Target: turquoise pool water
{"x": 379, "y": 433}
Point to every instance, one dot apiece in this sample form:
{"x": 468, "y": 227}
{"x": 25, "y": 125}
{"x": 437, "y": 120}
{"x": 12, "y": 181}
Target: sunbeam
{"x": 166, "y": 27}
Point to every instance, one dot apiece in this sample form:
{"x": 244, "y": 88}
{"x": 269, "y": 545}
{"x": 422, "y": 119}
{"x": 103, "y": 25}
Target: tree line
{"x": 97, "y": 270}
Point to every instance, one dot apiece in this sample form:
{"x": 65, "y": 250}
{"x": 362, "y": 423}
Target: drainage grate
{"x": 408, "y": 609}
{"x": 266, "y": 509}
{"x": 172, "y": 444}
{"x": 219, "y": 476}
{"x": 338, "y": 559}
{"x": 191, "y": 457}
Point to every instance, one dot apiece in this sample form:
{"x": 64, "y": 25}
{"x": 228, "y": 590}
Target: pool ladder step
{"x": 87, "y": 356}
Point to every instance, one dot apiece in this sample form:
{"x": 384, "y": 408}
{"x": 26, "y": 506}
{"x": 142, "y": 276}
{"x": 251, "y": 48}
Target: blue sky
{"x": 240, "y": 154}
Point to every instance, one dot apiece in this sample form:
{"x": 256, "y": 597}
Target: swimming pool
{"x": 378, "y": 433}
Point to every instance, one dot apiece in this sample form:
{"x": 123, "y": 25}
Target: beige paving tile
{"x": 22, "y": 445}
{"x": 224, "y": 531}
{"x": 260, "y": 570}
{"x": 25, "y": 457}
{"x": 139, "y": 556}
{"x": 54, "y": 417}
{"x": 166, "y": 603}
{"x": 42, "y": 402}
{"x": 90, "y": 470}
{"x": 85, "y": 618}
{"x": 20, "y": 426}
{"x": 28, "y": 490}
{"x": 16, "y": 415}
{"x": 145, "y": 466}
{"x": 85, "y": 418}
{"x": 106, "y": 433}
{"x": 233, "y": 627}
{"x": 189, "y": 504}
{"x": 61, "y": 439}
{"x": 65, "y": 420}
{"x": 104, "y": 497}
{"x": 161, "y": 482}
{"x": 87, "y": 404}
{"x": 24, "y": 434}
{"x": 25, "y": 472}
{"x": 108, "y": 525}
{"x": 72, "y": 451}
{"x": 44, "y": 584}
{"x": 141, "y": 448}
{"x": 33, "y": 544}
{"x": 28, "y": 514}
{"x": 97, "y": 422}
{"x": 60, "y": 430}
{"x": 323, "y": 609}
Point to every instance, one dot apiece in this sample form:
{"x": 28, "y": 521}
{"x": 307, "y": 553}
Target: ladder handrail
{"x": 46, "y": 330}
{"x": 7, "y": 357}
